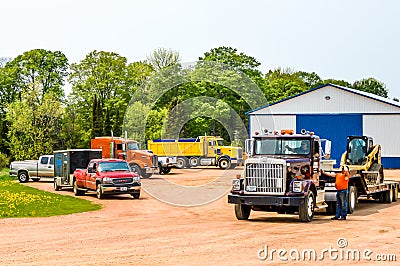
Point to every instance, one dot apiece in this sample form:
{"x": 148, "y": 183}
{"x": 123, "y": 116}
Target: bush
{"x": 4, "y": 160}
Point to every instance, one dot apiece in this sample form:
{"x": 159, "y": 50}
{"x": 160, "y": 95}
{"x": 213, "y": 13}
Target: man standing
{"x": 342, "y": 185}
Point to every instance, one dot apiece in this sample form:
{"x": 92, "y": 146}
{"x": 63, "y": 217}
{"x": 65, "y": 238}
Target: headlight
{"x": 107, "y": 180}
{"x": 136, "y": 179}
{"x": 297, "y": 186}
{"x": 236, "y": 184}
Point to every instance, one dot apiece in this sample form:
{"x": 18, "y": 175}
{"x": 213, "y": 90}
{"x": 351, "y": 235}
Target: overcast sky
{"x": 341, "y": 39}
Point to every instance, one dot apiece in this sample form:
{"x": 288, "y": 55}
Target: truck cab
{"x": 282, "y": 174}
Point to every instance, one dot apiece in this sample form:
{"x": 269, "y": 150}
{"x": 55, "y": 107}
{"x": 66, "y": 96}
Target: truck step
{"x": 370, "y": 172}
{"x": 321, "y": 205}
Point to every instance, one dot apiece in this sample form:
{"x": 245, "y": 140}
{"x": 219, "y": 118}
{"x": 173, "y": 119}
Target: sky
{"x": 341, "y": 39}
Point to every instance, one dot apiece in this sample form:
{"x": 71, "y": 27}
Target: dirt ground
{"x": 150, "y": 232}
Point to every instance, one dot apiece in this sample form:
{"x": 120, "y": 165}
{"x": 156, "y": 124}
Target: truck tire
{"x": 193, "y": 161}
{"x": 23, "y": 177}
{"x": 352, "y": 199}
{"x": 395, "y": 193}
{"x": 331, "y": 209}
{"x": 388, "y": 196}
{"x": 146, "y": 175}
{"x": 77, "y": 191}
{"x": 224, "y": 163}
{"x": 136, "y": 195}
{"x": 56, "y": 187}
{"x": 181, "y": 162}
{"x": 136, "y": 169}
{"x": 306, "y": 209}
{"x": 99, "y": 192}
{"x": 242, "y": 211}
{"x": 166, "y": 170}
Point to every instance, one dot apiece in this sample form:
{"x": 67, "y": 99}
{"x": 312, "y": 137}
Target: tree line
{"x": 37, "y": 117}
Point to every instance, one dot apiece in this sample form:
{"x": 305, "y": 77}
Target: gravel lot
{"x": 150, "y": 232}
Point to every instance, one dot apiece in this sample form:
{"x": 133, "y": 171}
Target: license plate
{"x": 123, "y": 188}
{"x": 251, "y": 188}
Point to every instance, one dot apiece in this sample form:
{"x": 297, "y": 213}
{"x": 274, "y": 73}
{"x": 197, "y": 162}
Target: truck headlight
{"x": 107, "y": 180}
{"x": 136, "y": 179}
{"x": 236, "y": 184}
{"x": 297, "y": 186}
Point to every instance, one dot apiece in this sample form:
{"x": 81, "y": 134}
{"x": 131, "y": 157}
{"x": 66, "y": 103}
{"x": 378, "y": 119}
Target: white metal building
{"x": 334, "y": 112}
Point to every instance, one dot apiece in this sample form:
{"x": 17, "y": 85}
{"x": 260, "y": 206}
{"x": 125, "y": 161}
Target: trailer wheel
{"x": 99, "y": 192}
{"x": 23, "y": 177}
{"x": 224, "y": 163}
{"x": 395, "y": 193}
{"x": 306, "y": 209}
{"x": 77, "y": 191}
{"x": 181, "y": 162}
{"x": 352, "y": 199}
{"x": 242, "y": 211}
{"x": 56, "y": 187}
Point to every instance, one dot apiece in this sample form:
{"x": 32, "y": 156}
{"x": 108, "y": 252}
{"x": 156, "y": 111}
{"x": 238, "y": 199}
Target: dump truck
{"x": 67, "y": 161}
{"x": 281, "y": 174}
{"x": 200, "y": 151}
{"x": 107, "y": 177}
{"x": 143, "y": 162}
{"x": 363, "y": 158}
{"x": 33, "y": 169}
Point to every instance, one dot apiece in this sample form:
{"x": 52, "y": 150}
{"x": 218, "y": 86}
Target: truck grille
{"x": 265, "y": 178}
{"x": 122, "y": 180}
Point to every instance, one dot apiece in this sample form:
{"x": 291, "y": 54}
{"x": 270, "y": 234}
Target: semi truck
{"x": 67, "y": 161}
{"x": 281, "y": 174}
{"x": 363, "y": 158}
{"x": 107, "y": 177}
{"x": 200, "y": 151}
{"x": 33, "y": 169}
{"x": 143, "y": 162}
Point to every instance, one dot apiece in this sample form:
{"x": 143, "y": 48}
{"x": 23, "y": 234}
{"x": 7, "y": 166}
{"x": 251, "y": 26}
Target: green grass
{"x": 17, "y": 200}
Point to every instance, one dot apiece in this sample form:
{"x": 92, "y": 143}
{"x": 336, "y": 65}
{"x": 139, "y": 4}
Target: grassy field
{"x": 17, "y": 200}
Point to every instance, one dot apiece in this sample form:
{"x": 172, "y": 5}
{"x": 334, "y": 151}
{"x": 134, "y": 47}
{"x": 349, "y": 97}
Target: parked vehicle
{"x": 367, "y": 180}
{"x": 67, "y": 161}
{"x": 107, "y": 176}
{"x": 33, "y": 169}
{"x": 143, "y": 162}
{"x": 200, "y": 151}
{"x": 282, "y": 174}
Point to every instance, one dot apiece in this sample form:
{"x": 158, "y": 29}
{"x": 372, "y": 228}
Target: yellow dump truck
{"x": 200, "y": 151}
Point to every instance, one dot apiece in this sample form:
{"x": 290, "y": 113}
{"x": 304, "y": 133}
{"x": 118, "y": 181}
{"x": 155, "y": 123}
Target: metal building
{"x": 334, "y": 112}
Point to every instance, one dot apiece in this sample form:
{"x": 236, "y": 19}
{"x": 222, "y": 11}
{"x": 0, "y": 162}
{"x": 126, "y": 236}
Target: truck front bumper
{"x": 120, "y": 189}
{"x": 261, "y": 200}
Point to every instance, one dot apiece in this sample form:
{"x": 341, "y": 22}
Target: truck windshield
{"x": 113, "y": 166}
{"x": 281, "y": 146}
{"x": 132, "y": 146}
{"x": 220, "y": 142}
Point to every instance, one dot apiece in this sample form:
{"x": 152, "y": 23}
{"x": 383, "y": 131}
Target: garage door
{"x": 336, "y": 128}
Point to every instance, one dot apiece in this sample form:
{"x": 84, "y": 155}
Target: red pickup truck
{"x": 107, "y": 176}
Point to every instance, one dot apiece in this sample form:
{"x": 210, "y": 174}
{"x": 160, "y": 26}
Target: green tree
{"x": 371, "y": 85}
{"x": 342, "y": 83}
{"x": 162, "y": 58}
{"x": 311, "y": 80}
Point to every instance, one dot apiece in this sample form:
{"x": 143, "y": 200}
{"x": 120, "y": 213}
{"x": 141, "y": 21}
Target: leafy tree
{"x": 162, "y": 58}
{"x": 311, "y": 80}
{"x": 371, "y": 85}
{"x": 342, "y": 83}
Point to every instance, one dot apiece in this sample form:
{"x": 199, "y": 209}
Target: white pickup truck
{"x": 33, "y": 169}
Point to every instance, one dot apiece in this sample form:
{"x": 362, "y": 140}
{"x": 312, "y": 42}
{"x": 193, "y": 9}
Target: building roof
{"x": 357, "y": 92}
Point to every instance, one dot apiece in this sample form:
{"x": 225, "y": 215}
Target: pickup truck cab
{"x": 33, "y": 169}
{"x": 107, "y": 176}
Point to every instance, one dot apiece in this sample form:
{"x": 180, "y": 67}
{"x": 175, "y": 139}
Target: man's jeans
{"x": 341, "y": 203}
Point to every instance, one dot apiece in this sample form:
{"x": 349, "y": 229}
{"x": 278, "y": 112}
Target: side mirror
{"x": 327, "y": 149}
{"x": 248, "y": 148}
{"x": 90, "y": 170}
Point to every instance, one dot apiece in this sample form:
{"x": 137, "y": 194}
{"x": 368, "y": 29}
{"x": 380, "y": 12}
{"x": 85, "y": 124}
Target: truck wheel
{"x": 181, "y": 162}
{"x": 136, "y": 195}
{"x": 136, "y": 169}
{"x": 331, "y": 209}
{"x": 193, "y": 161}
{"x": 395, "y": 193}
{"x": 242, "y": 211}
{"x": 99, "y": 192}
{"x": 306, "y": 209}
{"x": 160, "y": 169}
{"x": 23, "y": 177}
{"x": 352, "y": 199}
{"x": 146, "y": 175}
{"x": 77, "y": 191}
{"x": 56, "y": 187}
{"x": 224, "y": 163}
{"x": 166, "y": 170}
{"x": 388, "y": 196}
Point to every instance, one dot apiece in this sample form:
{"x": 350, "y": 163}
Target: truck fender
{"x": 310, "y": 186}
